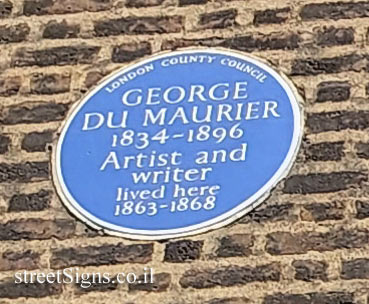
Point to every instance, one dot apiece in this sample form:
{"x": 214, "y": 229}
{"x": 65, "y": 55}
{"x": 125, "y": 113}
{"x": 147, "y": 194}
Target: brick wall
{"x": 307, "y": 244}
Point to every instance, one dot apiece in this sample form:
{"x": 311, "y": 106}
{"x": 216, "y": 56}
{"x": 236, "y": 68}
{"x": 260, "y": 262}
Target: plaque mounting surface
{"x": 178, "y": 144}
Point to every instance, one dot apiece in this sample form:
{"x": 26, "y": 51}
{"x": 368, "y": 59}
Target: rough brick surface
{"x": 362, "y": 209}
{"x": 230, "y": 276}
{"x": 36, "y": 141}
{"x": 24, "y": 172}
{"x": 311, "y": 298}
{"x": 308, "y": 270}
{"x": 10, "y": 260}
{"x": 332, "y": 151}
{"x": 362, "y": 150}
{"x": 10, "y": 85}
{"x": 9, "y": 289}
{"x": 219, "y": 19}
{"x": 270, "y": 213}
{"x": 319, "y": 212}
{"x": 333, "y": 91}
{"x": 161, "y": 283}
{"x": 270, "y": 16}
{"x": 129, "y": 52}
{"x": 335, "y": 36}
{"x": 182, "y": 251}
{"x": 335, "y": 10}
{"x": 235, "y": 245}
{"x": 103, "y": 255}
{"x": 6, "y": 8}
{"x": 30, "y": 202}
{"x": 324, "y": 182}
{"x": 288, "y": 243}
{"x": 4, "y": 143}
{"x": 355, "y": 269}
{"x": 17, "y": 33}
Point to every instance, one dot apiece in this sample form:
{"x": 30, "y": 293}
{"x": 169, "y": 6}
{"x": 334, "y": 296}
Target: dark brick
{"x": 9, "y": 289}
{"x": 337, "y": 121}
{"x": 183, "y": 251}
{"x": 362, "y": 209}
{"x": 355, "y": 269}
{"x": 314, "y": 66}
{"x": 102, "y": 255}
{"x": 37, "y": 141}
{"x": 319, "y": 212}
{"x": 235, "y": 245}
{"x": 4, "y": 144}
{"x": 281, "y": 243}
{"x": 143, "y": 3}
{"x": 10, "y": 85}
{"x": 324, "y": 182}
{"x": 63, "y": 55}
{"x": 16, "y": 33}
{"x": 130, "y": 52}
{"x": 50, "y": 83}
{"x": 311, "y": 298}
{"x": 36, "y": 114}
{"x": 30, "y": 202}
{"x": 270, "y": 213}
{"x": 89, "y": 285}
{"x": 36, "y": 229}
{"x": 44, "y": 7}
{"x": 190, "y": 2}
{"x": 270, "y": 16}
{"x": 362, "y": 150}
{"x": 335, "y": 10}
{"x": 138, "y": 25}
{"x": 333, "y": 91}
{"x": 219, "y": 19}
{"x": 24, "y": 172}
{"x": 232, "y": 300}
{"x": 161, "y": 283}
{"x": 308, "y": 270}
{"x": 326, "y": 151}
{"x": 60, "y": 30}
{"x": 230, "y": 276}
{"x": 247, "y": 43}
{"x": 10, "y": 260}
{"x": 6, "y": 8}
{"x": 335, "y": 36}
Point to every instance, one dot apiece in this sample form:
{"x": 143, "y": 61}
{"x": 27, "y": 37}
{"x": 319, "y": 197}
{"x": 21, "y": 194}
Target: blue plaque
{"x": 178, "y": 144}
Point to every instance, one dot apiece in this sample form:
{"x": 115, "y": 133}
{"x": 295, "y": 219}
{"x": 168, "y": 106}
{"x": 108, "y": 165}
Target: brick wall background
{"x": 307, "y": 244}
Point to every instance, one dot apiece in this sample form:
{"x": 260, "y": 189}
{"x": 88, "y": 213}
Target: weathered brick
{"x": 324, "y": 182}
{"x": 281, "y": 243}
{"x": 362, "y": 150}
{"x": 129, "y": 52}
{"x": 270, "y": 213}
{"x": 63, "y": 55}
{"x": 10, "y": 260}
{"x": 161, "y": 283}
{"x": 219, "y": 19}
{"x": 316, "y": 66}
{"x": 16, "y": 33}
{"x": 308, "y": 270}
{"x": 102, "y": 255}
{"x": 30, "y": 202}
{"x": 138, "y": 25}
{"x": 335, "y": 36}
{"x": 60, "y": 30}
{"x": 34, "y": 114}
{"x": 333, "y": 91}
{"x": 335, "y": 10}
{"x": 50, "y": 83}
{"x": 235, "y": 245}
{"x": 10, "y": 85}
{"x": 230, "y": 276}
{"x": 143, "y": 3}
{"x": 319, "y": 212}
{"x": 190, "y": 2}
{"x": 337, "y": 121}
{"x": 311, "y": 298}
{"x": 89, "y": 285}
{"x": 36, "y": 229}
{"x": 4, "y": 144}
{"x": 233, "y": 300}
{"x": 183, "y": 251}
{"x": 24, "y": 172}
{"x": 6, "y": 8}
{"x": 355, "y": 269}
{"x": 362, "y": 209}
{"x": 44, "y": 7}
{"x": 9, "y": 289}
{"x": 37, "y": 141}
{"x": 93, "y": 77}
{"x": 271, "y": 16}
{"x": 326, "y": 151}
{"x": 249, "y": 43}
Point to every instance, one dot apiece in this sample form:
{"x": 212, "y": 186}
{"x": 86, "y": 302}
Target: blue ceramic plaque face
{"x": 178, "y": 144}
